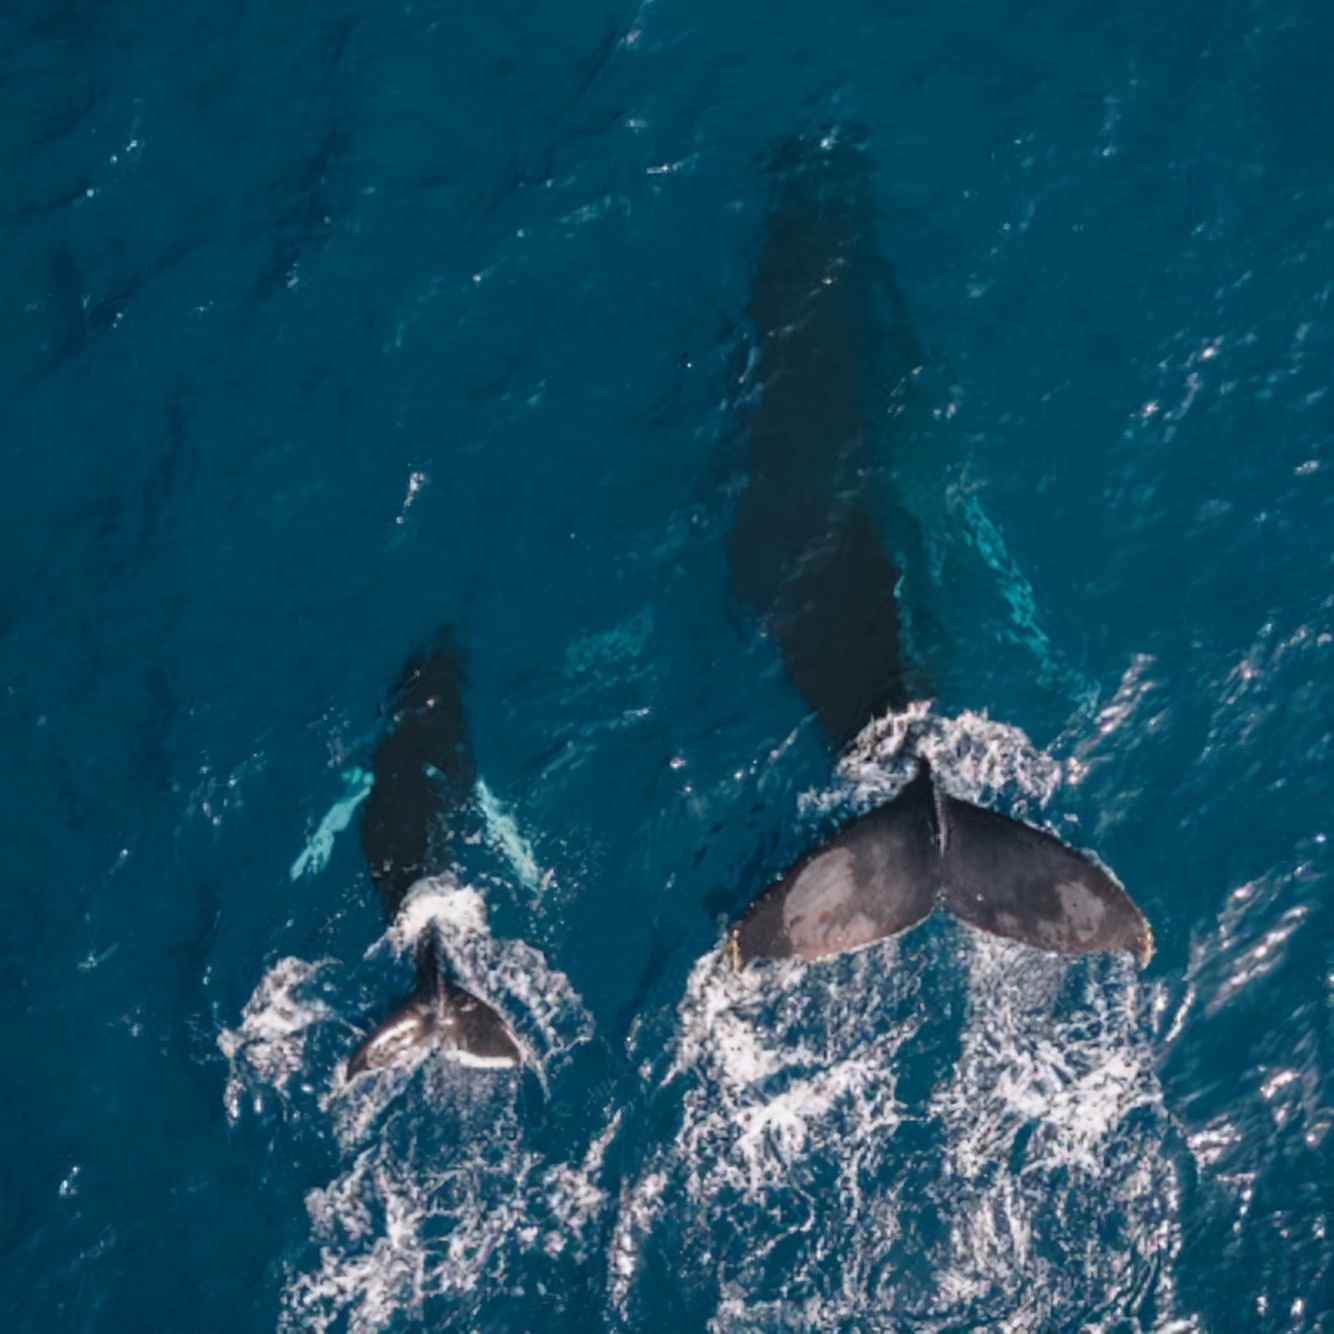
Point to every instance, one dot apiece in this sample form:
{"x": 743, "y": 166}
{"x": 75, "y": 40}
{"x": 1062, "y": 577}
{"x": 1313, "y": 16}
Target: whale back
{"x": 803, "y": 551}
{"x": 423, "y": 771}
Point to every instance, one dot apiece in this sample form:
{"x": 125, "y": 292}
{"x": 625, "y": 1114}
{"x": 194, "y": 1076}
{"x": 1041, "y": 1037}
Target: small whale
{"x": 423, "y": 777}
{"x": 805, "y": 554}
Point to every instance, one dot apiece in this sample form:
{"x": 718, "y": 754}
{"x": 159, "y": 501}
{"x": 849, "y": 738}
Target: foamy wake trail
{"x": 787, "y": 1117}
{"x": 975, "y": 756}
{"x": 1058, "y": 1184}
{"x": 943, "y": 1131}
{"x": 438, "y": 1196}
{"x": 269, "y": 1047}
{"x": 441, "y": 1213}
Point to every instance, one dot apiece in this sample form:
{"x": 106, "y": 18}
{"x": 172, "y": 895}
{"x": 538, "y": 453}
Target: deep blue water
{"x": 325, "y": 324}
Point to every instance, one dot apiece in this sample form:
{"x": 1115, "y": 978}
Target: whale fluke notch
{"x": 884, "y": 872}
{"x": 1008, "y": 878}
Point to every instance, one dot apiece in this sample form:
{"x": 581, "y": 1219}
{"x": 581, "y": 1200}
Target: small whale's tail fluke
{"x": 885, "y": 871}
{"x": 439, "y": 1015}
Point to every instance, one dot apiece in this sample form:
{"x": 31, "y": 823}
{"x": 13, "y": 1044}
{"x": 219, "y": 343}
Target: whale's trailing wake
{"x": 912, "y": 1135}
{"x": 944, "y": 1128}
{"x": 810, "y": 1191}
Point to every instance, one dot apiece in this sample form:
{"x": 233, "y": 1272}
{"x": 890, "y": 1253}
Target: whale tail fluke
{"x": 438, "y": 1015}
{"x": 885, "y": 871}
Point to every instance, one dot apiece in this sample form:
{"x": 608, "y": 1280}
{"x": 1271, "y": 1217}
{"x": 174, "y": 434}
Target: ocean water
{"x": 324, "y": 324}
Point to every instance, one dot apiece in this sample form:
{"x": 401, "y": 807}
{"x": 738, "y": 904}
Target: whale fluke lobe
{"x": 423, "y": 776}
{"x": 884, "y": 872}
{"x": 876, "y": 877}
{"x": 1012, "y": 880}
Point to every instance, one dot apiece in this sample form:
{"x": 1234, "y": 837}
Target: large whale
{"x": 423, "y": 776}
{"x": 806, "y": 555}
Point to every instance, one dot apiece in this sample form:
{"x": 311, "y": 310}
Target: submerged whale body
{"x": 423, "y": 772}
{"x": 806, "y": 555}
{"x": 804, "y": 550}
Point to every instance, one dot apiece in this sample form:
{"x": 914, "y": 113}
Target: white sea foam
{"x": 1054, "y": 1162}
{"x": 787, "y": 1111}
{"x": 268, "y": 1048}
{"x": 430, "y": 1216}
{"x": 973, "y": 756}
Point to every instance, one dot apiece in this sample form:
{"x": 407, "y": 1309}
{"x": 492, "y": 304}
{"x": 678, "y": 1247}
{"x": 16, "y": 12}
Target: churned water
{"x": 327, "y": 323}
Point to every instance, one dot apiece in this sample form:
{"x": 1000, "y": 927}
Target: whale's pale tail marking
{"x": 1013, "y": 880}
{"x": 885, "y": 872}
{"x": 876, "y": 877}
{"x": 423, "y": 779}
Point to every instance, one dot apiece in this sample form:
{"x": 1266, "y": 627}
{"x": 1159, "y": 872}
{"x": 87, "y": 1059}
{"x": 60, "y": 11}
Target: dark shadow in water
{"x": 834, "y": 350}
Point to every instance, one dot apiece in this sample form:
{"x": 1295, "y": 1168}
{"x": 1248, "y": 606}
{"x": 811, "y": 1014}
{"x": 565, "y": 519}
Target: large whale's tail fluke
{"x": 885, "y": 871}
{"x": 438, "y": 1015}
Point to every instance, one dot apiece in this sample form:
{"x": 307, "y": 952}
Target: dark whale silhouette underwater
{"x": 805, "y": 554}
